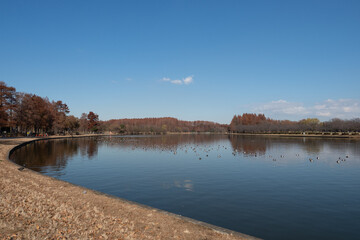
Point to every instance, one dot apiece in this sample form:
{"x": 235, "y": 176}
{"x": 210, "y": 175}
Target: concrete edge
{"x": 186, "y": 219}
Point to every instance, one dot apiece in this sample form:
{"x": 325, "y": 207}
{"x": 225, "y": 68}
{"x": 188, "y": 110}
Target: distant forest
{"x": 161, "y": 125}
{"x": 24, "y": 114}
{"x": 258, "y": 123}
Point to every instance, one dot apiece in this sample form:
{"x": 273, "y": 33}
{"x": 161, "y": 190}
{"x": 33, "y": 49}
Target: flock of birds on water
{"x": 207, "y": 149}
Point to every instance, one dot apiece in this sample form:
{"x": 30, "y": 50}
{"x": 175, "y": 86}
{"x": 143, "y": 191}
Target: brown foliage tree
{"x": 60, "y": 110}
{"x": 161, "y": 125}
{"x": 83, "y": 123}
{"x": 93, "y": 122}
{"x": 34, "y": 113}
{"x": 7, "y": 106}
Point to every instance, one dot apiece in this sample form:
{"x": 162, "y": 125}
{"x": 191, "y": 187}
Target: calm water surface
{"x": 262, "y": 186}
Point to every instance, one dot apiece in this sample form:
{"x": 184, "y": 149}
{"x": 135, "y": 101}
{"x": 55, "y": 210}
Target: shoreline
{"x": 296, "y": 135}
{"x": 36, "y": 206}
{"x": 256, "y": 134}
{"x": 311, "y": 135}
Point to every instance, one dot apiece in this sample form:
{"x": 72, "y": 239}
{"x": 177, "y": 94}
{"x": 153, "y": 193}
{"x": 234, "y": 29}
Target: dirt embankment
{"x": 34, "y": 206}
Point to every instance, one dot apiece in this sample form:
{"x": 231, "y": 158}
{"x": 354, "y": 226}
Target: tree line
{"x": 160, "y": 126}
{"x": 28, "y": 114}
{"x": 258, "y": 123}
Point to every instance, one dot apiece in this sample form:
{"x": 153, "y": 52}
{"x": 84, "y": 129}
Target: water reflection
{"x": 164, "y": 142}
{"x": 187, "y": 185}
{"x": 250, "y": 146}
{"x": 91, "y": 148}
{"x": 56, "y": 153}
{"x": 260, "y": 145}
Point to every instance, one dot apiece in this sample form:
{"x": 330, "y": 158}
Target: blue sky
{"x": 193, "y": 60}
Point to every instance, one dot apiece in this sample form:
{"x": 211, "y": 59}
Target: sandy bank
{"x": 34, "y": 206}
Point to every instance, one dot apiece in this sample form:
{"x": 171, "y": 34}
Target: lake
{"x": 267, "y": 187}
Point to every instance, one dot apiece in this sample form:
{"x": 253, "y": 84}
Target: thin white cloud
{"x": 188, "y": 80}
{"x": 185, "y": 81}
{"x": 282, "y": 107}
{"x": 323, "y": 114}
{"x": 178, "y": 82}
{"x": 340, "y": 108}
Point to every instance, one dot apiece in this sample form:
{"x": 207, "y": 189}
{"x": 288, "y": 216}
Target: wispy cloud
{"x": 340, "y": 108}
{"x": 188, "y": 80}
{"x": 282, "y": 107}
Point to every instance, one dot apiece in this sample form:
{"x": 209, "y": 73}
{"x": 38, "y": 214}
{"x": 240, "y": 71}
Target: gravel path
{"x": 34, "y": 206}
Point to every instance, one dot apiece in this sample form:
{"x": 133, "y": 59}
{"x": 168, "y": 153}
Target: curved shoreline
{"x": 35, "y": 206}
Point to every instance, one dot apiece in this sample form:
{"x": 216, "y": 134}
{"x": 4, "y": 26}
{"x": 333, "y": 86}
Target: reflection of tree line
{"x": 54, "y": 152}
{"x": 247, "y": 145}
{"x": 260, "y": 144}
{"x": 162, "y": 142}
{"x": 241, "y": 144}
